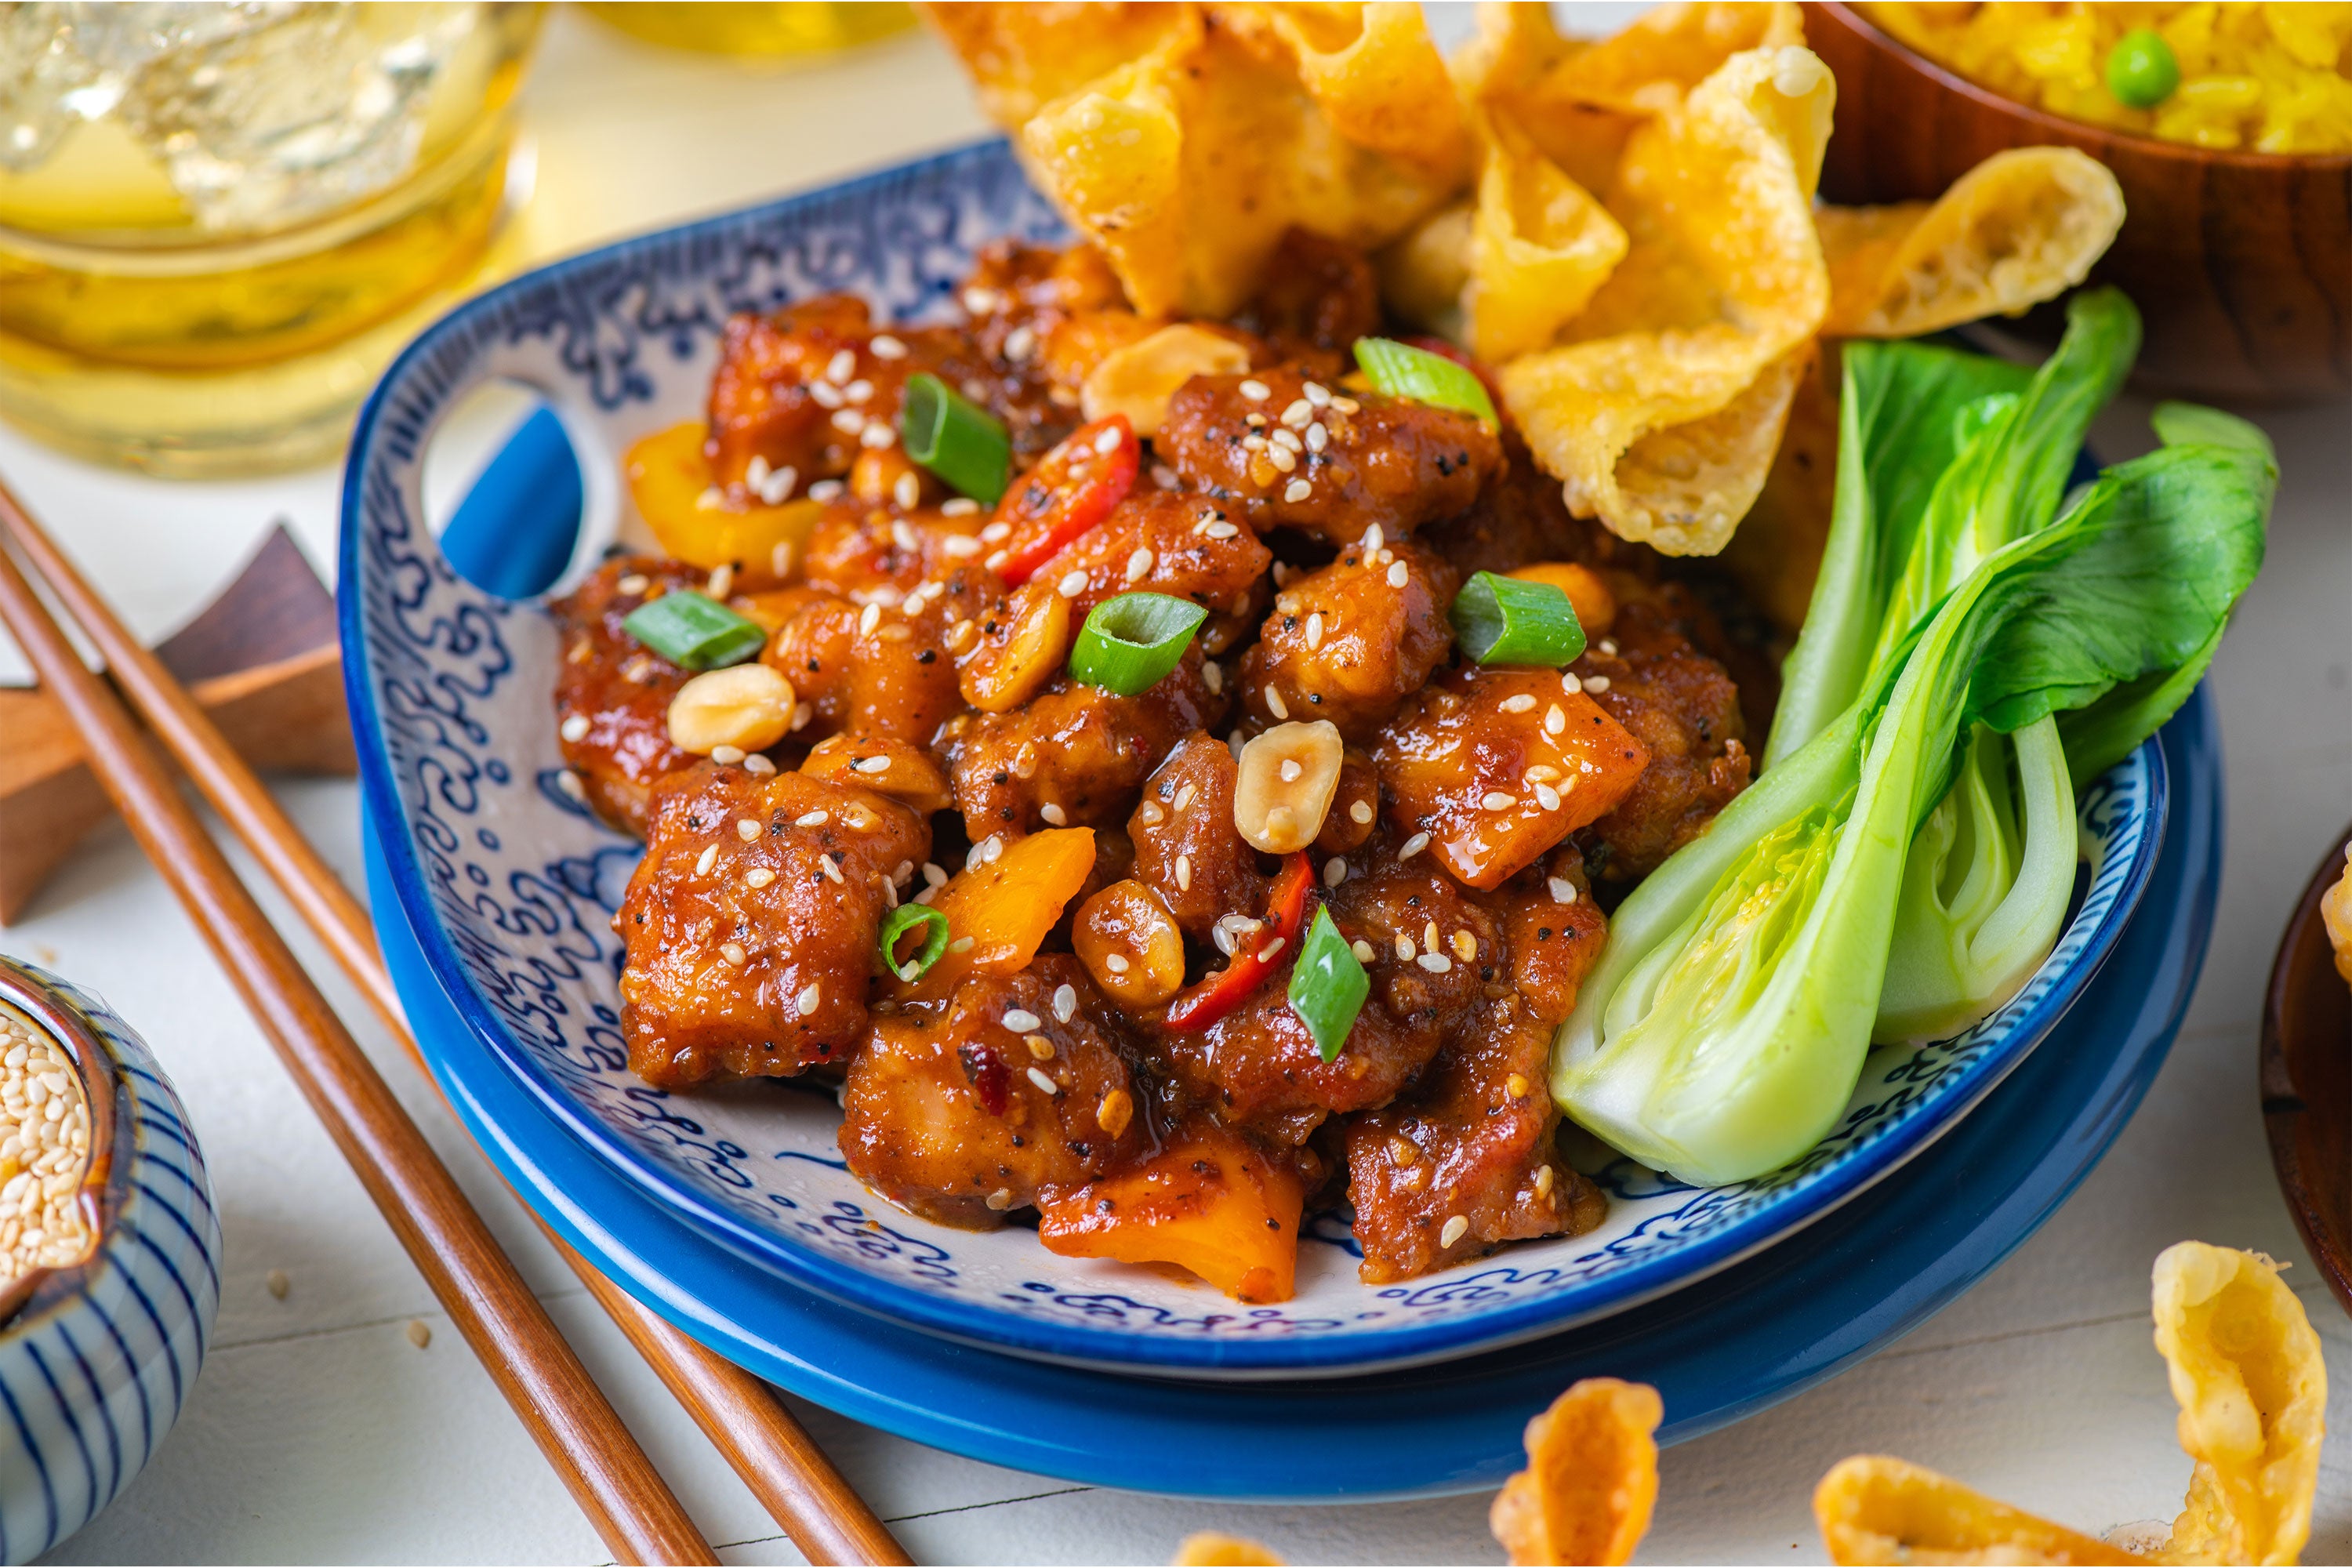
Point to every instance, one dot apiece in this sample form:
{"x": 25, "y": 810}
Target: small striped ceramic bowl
{"x": 97, "y": 1357}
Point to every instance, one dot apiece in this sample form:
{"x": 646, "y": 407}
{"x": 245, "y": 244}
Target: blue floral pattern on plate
{"x": 510, "y": 884}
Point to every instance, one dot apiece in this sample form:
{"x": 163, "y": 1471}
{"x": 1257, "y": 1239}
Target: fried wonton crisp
{"x": 1215, "y": 1548}
{"x": 1591, "y": 1478}
{"x": 2022, "y": 227}
{"x": 1185, "y": 141}
{"x": 1724, "y": 278}
{"x": 2246, "y": 1369}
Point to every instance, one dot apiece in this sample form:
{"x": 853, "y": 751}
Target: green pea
{"x": 2141, "y": 70}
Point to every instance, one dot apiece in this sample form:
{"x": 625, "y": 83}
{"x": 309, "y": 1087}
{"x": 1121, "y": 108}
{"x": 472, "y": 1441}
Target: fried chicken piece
{"x": 613, "y": 693}
{"x": 1349, "y": 642}
{"x": 750, "y": 924}
{"x": 1187, "y": 850}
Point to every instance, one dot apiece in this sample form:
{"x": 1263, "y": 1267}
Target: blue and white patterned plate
{"x": 509, "y": 883}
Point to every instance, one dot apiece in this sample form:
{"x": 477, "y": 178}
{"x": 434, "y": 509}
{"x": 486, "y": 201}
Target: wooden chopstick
{"x": 760, "y": 1438}
{"x": 631, "y": 1507}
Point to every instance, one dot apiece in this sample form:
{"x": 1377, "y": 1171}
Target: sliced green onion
{"x": 1503, "y": 620}
{"x": 1402, "y": 371}
{"x": 1328, "y": 986}
{"x": 957, "y": 439}
{"x": 1129, "y": 642}
{"x": 694, "y": 631}
{"x": 903, "y": 918}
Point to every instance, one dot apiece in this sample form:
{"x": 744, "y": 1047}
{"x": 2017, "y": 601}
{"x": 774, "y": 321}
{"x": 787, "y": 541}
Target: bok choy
{"x": 1722, "y": 1032}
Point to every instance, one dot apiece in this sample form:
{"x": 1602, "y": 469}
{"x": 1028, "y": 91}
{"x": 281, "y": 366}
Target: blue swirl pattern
{"x": 510, "y": 885}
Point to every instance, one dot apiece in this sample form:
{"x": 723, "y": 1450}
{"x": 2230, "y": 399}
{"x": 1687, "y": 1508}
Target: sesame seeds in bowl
{"x": 44, "y": 1151}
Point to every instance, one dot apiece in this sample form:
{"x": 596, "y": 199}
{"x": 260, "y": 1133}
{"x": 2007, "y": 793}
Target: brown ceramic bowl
{"x": 2240, "y": 262}
{"x": 2306, "y": 1078}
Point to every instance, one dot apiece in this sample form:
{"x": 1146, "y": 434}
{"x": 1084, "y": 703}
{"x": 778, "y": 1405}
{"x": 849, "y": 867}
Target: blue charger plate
{"x": 509, "y": 883}
{"x": 1749, "y": 1337}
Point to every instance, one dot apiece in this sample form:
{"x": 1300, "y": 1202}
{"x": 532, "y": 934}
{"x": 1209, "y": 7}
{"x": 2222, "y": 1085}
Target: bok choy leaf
{"x": 1722, "y": 1032}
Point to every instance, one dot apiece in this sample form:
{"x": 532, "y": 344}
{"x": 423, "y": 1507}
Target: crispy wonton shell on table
{"x": 1591, "y": 1479}
{"x": 2246, "y": 1369}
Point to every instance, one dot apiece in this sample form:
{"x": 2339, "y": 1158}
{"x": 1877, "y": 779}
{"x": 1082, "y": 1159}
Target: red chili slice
{"x": 1220, "y": 994}
{"x": 1070, "y": 490}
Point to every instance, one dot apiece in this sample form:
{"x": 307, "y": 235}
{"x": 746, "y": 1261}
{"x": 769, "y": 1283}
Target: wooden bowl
{"x": 2306, "y": 1078}
{"x": 2240, "y": 262}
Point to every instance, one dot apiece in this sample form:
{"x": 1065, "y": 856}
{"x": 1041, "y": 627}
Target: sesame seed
{"x": 1044, "y": 1084}
{"x": 1221, "y": 530}
{"x": 726, "y": 756}
{"x": 1000, "y": 1199}
{"x": 1465, "y": 946}
{"x": 1137, "y": 564}
{"x": 872, "y": 765}
{"x": 1115, "y": 963}
{"x": 1543, "y": 1181}
{"x": 1296, "y": 490}
{"x": 1184, "y": 873}
{"x": 817, "y": 818}
{"x": 1213, "y": 676}
{"x": 808, "y": 998}
{"x": 960, "y": 548}
{"x": 960, "y": 944}
{"x": 986, "y": 851}
{"x": 959, "y": 506}
{"x": 732, "y": 952}
{"x": 1335, "y": 871}
{"x": 1609, "y": 647}
{"x": 777, "y": 489}
{"x": 1397, "y": 575}
{"x": 1345, "y": 404}
{"x": 420, "y": 1333}
{"x": 1151, "y": 813}
{"x": 722, "y": 581}
{"x": 1254, "y": 443}
{"x": 832, "y": 868}
{"x": 867, "y": 619}
{"x": 576, "y": 727}
{"x": 996, "y": 533}
{"x": 1568, "y": 683}
{"x": 1287, "y": 439}
{"x": 907, "y": 491}
{"x": 757, "y": 766}
{"x": 711, "y": 499}
{"x": 1405, "y": 950}
{"x": 825, "y": 490}
{"x": 1256, "y": 422}
{"x": 1317, "y": 393}
{"x": 1456, "y": 1229}
{"x": 1072, "y": 584}
{"x": 825, "y": 395}
{"x": 1299, "y": 412}
{"x": 1274, "y": 705}
{"x": 709, "y": 859}
{"x": 1256, "y": 390}
{"x": 1021, "y": 1021}
{"x": 883, "y": 346}
{"x": 1290, "y": 771}
{"x": 1429, "y": 935}
{"x": 1563, "y": 891}
{"x": 1317, "y": 438}
{"x": 1496, "y": 800}
{"x": 858, "y": 390}
{"x": 1066, "y": 1001}
{"x": 877, "y": 436}
{"x": 1519, "y": 703}
{"x": 758, "y": 877}
{"x": 1413, "y": 846}
{"x": 1555, "y": 721}
{"x": 1163, "y": 475}
{"x": 1266, "y": 954}
{"x": 747, "y": 829}
{"x": 1054, "y": 814}
{"x": 1364, "y": 950}
{"x": 569, "y": 783}
{"x": 1108, "y": 442}
{"x": 1020, "y": 343}
{"x": 635, "y": 583}
{"x": 1360, "y": 812}
{"x": 842, "y": 366}
{"x": 848, "y": 421}
{"x": 997, "y": 559}
{"x": 1596, "y": 683}
{"x": 1282, "y": 459}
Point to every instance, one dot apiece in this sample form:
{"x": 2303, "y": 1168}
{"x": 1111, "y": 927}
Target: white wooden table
{"x": 320, "y": 1433}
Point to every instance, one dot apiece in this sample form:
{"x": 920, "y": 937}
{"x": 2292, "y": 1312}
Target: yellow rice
{"x": 2265, "y": 77}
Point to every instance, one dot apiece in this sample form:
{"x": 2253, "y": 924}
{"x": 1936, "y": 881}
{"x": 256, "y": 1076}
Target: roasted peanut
{"x": 1288, "y": 775}
{"x": 1007, "y": 667}
{"x": 747, "y": 706}
{"x": 1130, "y": 942}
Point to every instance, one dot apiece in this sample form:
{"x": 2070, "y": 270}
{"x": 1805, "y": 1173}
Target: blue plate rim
{"x": 1629, "y": 1287}
{"x": 1439, "y": 1430}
